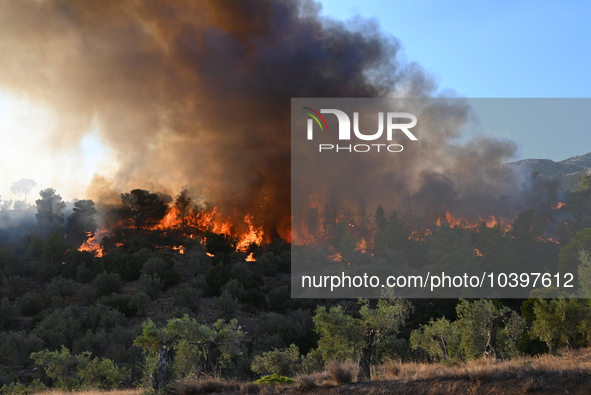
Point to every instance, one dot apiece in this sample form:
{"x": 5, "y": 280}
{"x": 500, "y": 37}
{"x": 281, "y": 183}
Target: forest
{"x": 162, "y": 293}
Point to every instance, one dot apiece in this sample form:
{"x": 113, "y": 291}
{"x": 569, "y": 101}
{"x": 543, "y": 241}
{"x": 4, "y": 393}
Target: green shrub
{"x": 275, "y": 379}
{"x": 100, "y": 373}
{"x": 170, "y": 278}
{"x": 216, "y": 277}
{"x": 151, "y": 284}
{"x": 96, "y": 342}
{"x": 234, "y": 288}
{"x": 6, "y": 376}
{"x": 226, "y": 306}
{"x": 156, "y": 265}
{"x": 59, "y": 286}
{"x": 79, "y": 371}
{"x": 128, "y": 266}
{"x": 14, "y": 286}
{"x": 280, "y": 299}
{"x": 118, "y": 302}
{"x": 31, "y": 303}
{"x": 188, "y": 297}
{"x": 84, "y": 274}
{"x": 7, "y": 314}
{"x": 107, "y": 283}
{"x": 103, "y": 315}
{"x": 61, "y": 327}
{"x": 15, "y": 347}
{"x": 17, "y": 388}
{"x": 283, "y": 362}
{"x": 138, "y": 303}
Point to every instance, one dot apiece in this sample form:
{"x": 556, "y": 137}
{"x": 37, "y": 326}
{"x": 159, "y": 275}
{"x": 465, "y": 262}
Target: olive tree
{"x": 439, "y": 338}
{"x": 559, "y": 321}
{"x": 343, "y": 337}
{"x": 184, "y": 346}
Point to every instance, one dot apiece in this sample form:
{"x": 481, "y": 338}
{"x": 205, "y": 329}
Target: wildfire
{"x": 302, "y": 235}
{"x": 254, "y": 235}
{"x": 550, "y": 239}
{"x": 361, "y": 246}
{"x": 211, "y": 220}
{"x": 180, "y": 249}
{"x": 170, "y": 220}
{"x": 558, "y": 206}
{"x": 250, "y": 258}
{"x": 477, "y": 251}
{"x": 419, "y": 234}
{"x": 491, "y": 222}
{"x": 92, "y": 244}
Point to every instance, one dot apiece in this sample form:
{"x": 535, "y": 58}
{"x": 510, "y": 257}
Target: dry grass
{"x": 305, "y": 383}
{"x": 135, "y": 391}
{"x": 570, "y": 372}
{"x": 191, "y": 386}
{"x": 534, "y": 373}
{"x": 341, "y": 373}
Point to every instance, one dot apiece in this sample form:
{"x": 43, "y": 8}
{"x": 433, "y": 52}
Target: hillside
{"x": 572, "y": 169}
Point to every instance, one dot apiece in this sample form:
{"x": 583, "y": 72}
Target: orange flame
{"x": 92, "y": 244}
{"x": 254, "y": 235}
{"x": 361, "y": 246}
{"x": 420, "y": 234}
{"x": 250, "y": 258}
{"x": 558, "y": 206}
{"x": 490, "y": 222}
{"x": 180, "y": 249}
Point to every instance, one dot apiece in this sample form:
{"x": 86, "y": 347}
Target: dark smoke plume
{"x": 198, "y": 93}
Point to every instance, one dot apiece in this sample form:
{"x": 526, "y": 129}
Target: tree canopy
{"x": 23, "y": 187}
{"x": 343, "y": 337}
{"x": 144, "y": 209}
{"x": 50, "y": 214}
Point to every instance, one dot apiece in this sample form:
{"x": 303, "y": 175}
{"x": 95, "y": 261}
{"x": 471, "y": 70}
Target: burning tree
{"x": 182, "y": 205}
{"x": 81, "y": 223}
{"x": 143, "y": 208}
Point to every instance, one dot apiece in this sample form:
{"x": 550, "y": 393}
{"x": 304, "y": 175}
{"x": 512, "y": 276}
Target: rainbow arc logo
{"x": 316, "y": 117}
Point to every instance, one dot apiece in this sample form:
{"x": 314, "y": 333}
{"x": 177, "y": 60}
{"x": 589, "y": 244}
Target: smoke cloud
{"x": 197, "y": 94}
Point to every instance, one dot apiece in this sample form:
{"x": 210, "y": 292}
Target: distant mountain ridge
{"x": 572, "y": 169}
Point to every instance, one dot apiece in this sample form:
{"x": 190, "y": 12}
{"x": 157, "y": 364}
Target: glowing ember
{"x": 477, "y": 251}
{"x": 180, "y": 249}
{"x": 420, "y": 234}
{"x": 209, "y": 254}
{"x": 361, "y": 246}
{"x": 491, "y": 222}
{"x": 548, "y": 239}
{"x": 558, "y": 206}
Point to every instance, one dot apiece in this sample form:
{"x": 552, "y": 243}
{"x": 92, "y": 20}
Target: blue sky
{"x": 497, "y": 49}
